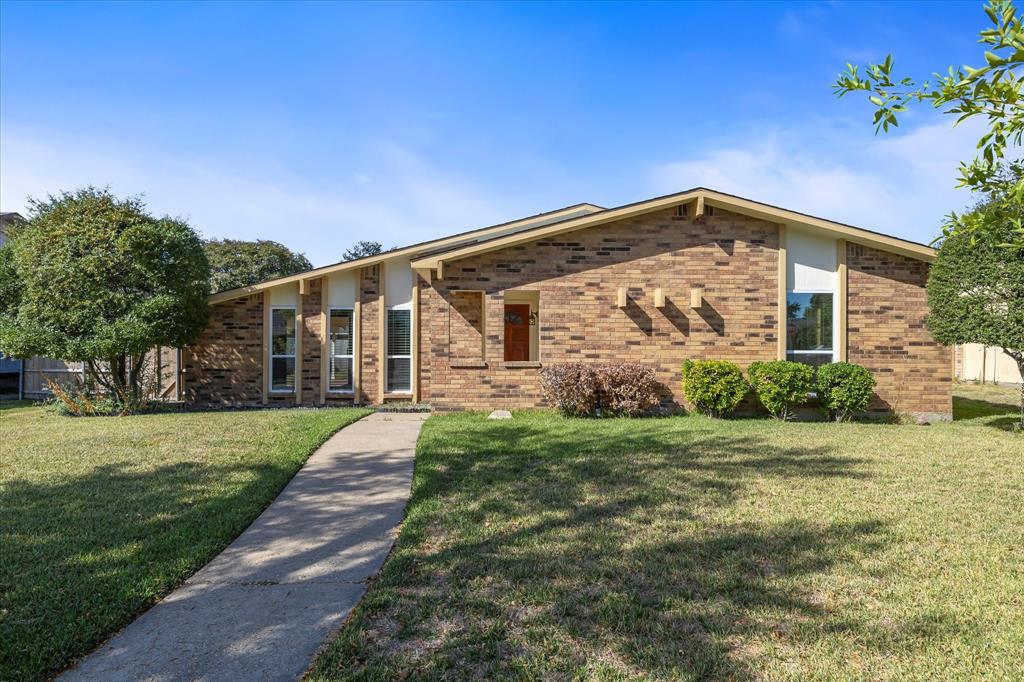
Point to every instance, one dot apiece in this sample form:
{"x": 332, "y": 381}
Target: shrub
{"x": 571, "y": 387}
{"x": 844, "y": 389}
{"x": 578, "y": 389}
{"x": 626, "y": 388}
{"x": 780, "y": 385}
{"x": 715, "y": 387}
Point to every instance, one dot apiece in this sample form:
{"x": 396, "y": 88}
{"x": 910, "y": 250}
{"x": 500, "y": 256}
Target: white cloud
{"x": 900, "y": 185}
{"x": 404, "y": 199}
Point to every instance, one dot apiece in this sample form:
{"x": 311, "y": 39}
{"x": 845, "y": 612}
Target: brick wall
{"x": 312, "y": 350}
{"x": 224, "y": 366}
{"x": 733, "y": 258}
{"x": 887, "y": 333}
{"x": 369, "y": 334}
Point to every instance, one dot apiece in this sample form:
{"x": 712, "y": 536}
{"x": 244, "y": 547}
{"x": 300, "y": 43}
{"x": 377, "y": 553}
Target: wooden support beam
{"x": 842, "y": 294}
{"x": 382, "y": 337}
{"x": 698, "y": 209}
{"x": 781, "y": 310}
{"x": 415, "y": 350}
{"x": 265, "y": 383}
{"x": 659, "y": 298}
{"x": 325, "y": 334}
{"x": 620, "y": 298}
{"x": 440, "y": 269}
{"x": 696, "y": 297}
{"x": 302, "y": 287}
{"x": 357, "y": 345}
{"x": 299, "y": 330}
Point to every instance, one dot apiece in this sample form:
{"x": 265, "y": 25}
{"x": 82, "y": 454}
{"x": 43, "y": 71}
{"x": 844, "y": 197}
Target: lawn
{"x": 100, "y": 517}
{"x": 686, "y": 548}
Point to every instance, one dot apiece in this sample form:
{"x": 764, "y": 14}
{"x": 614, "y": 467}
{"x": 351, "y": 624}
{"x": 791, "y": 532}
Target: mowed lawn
{"x": 100, "y": 517}
{"x": 686, "y": 548}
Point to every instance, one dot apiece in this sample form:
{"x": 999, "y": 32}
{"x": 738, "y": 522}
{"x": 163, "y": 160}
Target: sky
{"x": 317, "y": 125}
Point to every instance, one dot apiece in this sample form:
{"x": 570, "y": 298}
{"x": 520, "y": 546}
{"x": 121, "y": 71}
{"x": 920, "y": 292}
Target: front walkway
{"x": 263, "y": 607}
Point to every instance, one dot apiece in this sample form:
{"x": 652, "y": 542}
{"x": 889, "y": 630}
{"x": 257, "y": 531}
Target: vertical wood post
{"x": 781, "y": 351}
{"x": 842, "y": 294}
{"x": 265, "y": 383}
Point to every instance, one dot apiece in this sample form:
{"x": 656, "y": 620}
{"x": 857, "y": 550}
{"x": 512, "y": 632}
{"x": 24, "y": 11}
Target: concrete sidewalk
{"x": 264, "y": 606}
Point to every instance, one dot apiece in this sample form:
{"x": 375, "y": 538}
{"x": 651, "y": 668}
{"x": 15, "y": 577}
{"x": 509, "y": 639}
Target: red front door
{"x": 517, "y": 332}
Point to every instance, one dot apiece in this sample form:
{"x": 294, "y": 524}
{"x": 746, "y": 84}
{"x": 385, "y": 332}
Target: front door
{"x": 517, "y": 332}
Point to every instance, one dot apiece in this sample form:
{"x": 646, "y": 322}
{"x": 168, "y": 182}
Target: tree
{"x": 976, "y": 286}
{"x": 362, "y": 249}
{"x": 101, "y": 281}
{"x": 992, "y": 91}
{"x": 236, "y": 263}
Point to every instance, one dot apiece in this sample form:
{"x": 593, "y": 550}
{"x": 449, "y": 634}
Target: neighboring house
{"x": 975, "y": 362}
{"x": 467, "y": 321}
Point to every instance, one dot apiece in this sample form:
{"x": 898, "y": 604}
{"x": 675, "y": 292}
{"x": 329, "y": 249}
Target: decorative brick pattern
{"x": 465, "y": 326}
{"x": 887, "y": 334}
{"x": 224, "y": 366}
{"x": 733, "y": 258}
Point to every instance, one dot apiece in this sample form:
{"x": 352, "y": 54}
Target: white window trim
{"x": 270, "y": 350}
{"x": 408, "y": 391}
{"x": 351, "y": 356}
{"x": 835, "y": 324}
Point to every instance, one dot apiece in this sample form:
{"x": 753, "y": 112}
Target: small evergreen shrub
{"x": 844, "y": 389}
{"x": 571, "y": 387}
{"x": 779, "y": 385}
{"x": 626, "y": 389}
{"x": 715, "y": 387}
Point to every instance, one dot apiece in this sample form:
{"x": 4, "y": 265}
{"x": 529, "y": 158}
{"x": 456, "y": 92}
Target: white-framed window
{"x": 810, "y": 327}
{"x": 399, "y": 343}
{"x": 342, "y": 343}
{"x": 282, "y": 349}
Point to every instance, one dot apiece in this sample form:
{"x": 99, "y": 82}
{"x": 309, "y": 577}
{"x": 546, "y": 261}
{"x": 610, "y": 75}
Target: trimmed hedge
{"x": 583, "y": 389}
{"x": 715, "y": 387}
{"x": 781, "y": 384}
{"x": 844, "y": 389}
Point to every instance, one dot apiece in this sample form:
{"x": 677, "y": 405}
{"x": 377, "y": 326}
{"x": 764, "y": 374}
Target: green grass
{"x": 102, "y": 516}
{"x": 686, "y": 548}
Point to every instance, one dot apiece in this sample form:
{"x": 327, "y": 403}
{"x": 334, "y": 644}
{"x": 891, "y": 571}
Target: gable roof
{"x": 699, "y": 197}
{"x": 422, "y": 248}
{"x": 432, "y": 255}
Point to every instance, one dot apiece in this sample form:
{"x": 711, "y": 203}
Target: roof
{"x": 432, "y": 255}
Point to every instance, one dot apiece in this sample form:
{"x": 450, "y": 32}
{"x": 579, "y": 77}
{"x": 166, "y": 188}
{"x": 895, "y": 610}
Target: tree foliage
{"x": 102, "y": 281}
{"x": 976, "y": 287}
{"x": 362, "y": 249}
{"x": 992, "y": 91}
{"x": 236, "y": 263}
{"x": 780, "y": 385}
{"x": 844, "y": 389}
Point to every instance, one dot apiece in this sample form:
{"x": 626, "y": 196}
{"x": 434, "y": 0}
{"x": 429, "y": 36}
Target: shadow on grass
{"x": 1000, "y": 415}
{"x": 566, "y": 549}
{"x": 83, "y": 554}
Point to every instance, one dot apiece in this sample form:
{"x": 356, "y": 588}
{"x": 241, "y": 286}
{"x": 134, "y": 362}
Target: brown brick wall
{"x": 224, "y": 366}
{"x": 887, "y": 334}
{"x": 733, "y": 258}
{"x": 369, "y": 334}
{"x": 312, "y": 349}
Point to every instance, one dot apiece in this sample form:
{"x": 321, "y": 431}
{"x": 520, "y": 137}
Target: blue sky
{"x": 320, "y": 124}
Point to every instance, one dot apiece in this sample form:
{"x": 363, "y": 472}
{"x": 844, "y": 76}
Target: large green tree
{"x": 362, "y": 249}
{"x": 992, "y": 91}
{"x": 976, "y": 285}
{"x": 236, "y": 263}
{"x": 100, "y": 280}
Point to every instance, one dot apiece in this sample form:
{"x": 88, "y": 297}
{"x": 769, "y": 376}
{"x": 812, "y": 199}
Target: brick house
{"x": 465, "y": 322}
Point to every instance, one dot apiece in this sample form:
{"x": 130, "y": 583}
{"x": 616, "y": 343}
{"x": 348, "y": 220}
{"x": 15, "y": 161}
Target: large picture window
{"x": 282, "y": 349}
{"x": 342, "y": 335}
{"x": 399, "y": 369}
{"x": 809, "y": 327}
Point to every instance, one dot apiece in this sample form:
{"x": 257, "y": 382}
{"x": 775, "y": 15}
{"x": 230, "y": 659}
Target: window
{"x": 809, "y": 328}
{"x": 282, "y": 349}
{"x": 399, "y": 369}
{"x": 342, "y": 335}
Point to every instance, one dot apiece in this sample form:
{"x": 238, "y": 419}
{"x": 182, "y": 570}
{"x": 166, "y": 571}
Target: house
{"x": 467, "y": 321}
